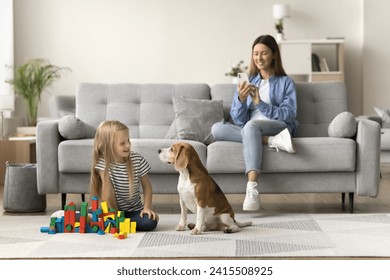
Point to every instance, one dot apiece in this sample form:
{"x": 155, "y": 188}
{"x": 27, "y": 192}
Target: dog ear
{"x": 181, "y": 160}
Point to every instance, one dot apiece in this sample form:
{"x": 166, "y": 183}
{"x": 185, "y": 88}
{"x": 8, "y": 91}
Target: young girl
{"x": 117, "y": 173}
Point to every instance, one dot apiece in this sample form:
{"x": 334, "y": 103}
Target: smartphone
{"x": 243, "y": 77}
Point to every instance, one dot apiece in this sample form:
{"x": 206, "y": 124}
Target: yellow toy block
{"x": 125, "y": 226}
{"x": 109, "y": 216}
{"x": 104, "y": 206}
{"x": 133, "y": 227}
{"x": 108, "y": 228}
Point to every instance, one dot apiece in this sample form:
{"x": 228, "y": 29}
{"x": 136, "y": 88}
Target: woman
{"x": 263, "y": 111}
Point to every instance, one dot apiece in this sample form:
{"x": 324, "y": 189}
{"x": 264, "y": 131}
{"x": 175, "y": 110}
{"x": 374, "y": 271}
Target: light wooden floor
{"x": 270, "y": 203}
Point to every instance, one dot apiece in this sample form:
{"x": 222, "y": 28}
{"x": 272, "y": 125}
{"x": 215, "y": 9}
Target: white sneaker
{"x": 252, "y": 201}
{"x": 282, "y": 141}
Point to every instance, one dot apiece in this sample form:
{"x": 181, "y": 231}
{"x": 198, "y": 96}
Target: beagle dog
{"x": 199, "y": 193}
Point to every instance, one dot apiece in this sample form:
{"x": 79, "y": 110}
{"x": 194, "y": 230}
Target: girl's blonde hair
{"x": 104, "y": 148}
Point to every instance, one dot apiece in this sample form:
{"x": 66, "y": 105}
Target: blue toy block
{"x": 45, "y": 229}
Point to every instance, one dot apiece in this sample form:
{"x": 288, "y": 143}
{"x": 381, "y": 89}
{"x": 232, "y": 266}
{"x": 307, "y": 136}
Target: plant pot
{"x": 26, "y": 130}
{"x": 279, "y": 37}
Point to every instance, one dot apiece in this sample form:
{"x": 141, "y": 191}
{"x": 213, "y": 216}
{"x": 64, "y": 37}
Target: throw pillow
{"x": 383, "y": 113}
{"x": 343, "y": 126}
{"x": 194, "y": 118}
{"x": 172, "y": 131}
{"x": 71, "y": 127}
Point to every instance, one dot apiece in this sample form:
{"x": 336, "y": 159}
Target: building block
{"x": 133, "y": 227}
{"x": 104, "y": 206}
{"x": 100, "y": 220}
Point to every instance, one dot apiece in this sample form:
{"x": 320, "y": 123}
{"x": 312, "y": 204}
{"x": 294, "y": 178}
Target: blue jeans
{"x": 250, "y": 136}
{"x": 143, "y": 223}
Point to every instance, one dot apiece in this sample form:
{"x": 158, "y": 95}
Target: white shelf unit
{"x": 297, "y": 59}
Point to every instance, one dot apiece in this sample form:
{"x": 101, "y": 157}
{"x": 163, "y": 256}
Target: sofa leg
{"x": 63, "y": 200}
{"x": 351, "y": 196}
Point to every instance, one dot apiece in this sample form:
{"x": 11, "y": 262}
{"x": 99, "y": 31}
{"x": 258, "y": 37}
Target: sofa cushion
{"x": 318, "y": 104}
{"x": 343, "y": 126}
{"x": 71, "y": 127}
{"x": 313, "y": 154}
{"x": 194, "y": 118}
{"x": 82, "y": 149}
{"x": 148, "y": 148}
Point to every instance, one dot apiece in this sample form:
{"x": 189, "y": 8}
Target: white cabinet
{"x": 298, "y": 58}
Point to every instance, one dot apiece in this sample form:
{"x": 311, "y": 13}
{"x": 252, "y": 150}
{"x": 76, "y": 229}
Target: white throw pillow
{"x": 343, "y": 126}
{"x": 71, "y": 127}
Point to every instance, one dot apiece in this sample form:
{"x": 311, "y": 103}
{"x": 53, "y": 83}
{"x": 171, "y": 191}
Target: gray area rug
{"x": 279, "y": 235}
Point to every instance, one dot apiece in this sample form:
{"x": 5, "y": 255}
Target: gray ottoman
{"x": 20, "y": 189}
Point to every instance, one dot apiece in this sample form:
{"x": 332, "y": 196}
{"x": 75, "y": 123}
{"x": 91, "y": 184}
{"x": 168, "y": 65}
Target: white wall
{"x": 173, "y": 41}
{"x": 376, "y": 58}
{"x": 7, "y": 45}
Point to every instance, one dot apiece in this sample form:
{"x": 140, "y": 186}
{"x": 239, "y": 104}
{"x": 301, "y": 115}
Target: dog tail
{"x": 243, "y": 224}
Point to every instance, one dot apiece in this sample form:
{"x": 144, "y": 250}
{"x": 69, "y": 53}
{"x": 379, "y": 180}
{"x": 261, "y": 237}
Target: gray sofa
{"x": 321, "y": 164}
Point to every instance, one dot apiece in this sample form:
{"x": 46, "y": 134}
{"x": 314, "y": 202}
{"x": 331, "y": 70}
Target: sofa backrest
{"x": 148, "y": 111}
{"x": 145, "y": 108}
{"x": 318, "y": 104}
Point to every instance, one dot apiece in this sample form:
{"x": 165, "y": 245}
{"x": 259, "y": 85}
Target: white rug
{"x": 279, "y": 235}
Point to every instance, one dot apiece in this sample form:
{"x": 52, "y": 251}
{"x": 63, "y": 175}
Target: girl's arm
{"x": 108, "y": 192}
{"x": 148, "y": 194}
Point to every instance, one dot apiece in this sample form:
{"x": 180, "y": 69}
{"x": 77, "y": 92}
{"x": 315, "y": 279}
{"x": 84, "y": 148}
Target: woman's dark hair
{"x": 276, "y": 65}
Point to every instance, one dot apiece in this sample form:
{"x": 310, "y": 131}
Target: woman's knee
{"x": 251, "y": 128}
{"x": 217, "y": 130}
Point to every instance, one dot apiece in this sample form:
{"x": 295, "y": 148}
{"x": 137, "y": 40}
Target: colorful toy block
{"x": 100, "y": 220}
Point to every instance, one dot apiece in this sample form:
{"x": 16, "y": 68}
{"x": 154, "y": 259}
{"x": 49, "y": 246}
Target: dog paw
{"x": 231, "y": 229}
{"x": 180, "y": 227}
{"x": 196, "y": 231}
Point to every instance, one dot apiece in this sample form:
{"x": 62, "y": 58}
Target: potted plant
{"x": 234, "y": 70}
{"x": 31, "y": 79}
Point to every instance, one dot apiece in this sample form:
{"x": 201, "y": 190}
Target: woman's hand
{"x": 245, "y": 89}
{"x": 152, "y": 215}
{"x": 256, "y": 96}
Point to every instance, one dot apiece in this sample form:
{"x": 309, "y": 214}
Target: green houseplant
{"x": 238, "y": 68}
{"x": 31, "y": 79}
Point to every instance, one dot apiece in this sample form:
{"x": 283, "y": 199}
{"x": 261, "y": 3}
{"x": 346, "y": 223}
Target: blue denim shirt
{"x": 283, "y": 105}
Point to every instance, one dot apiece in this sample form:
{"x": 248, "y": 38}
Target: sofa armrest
{"x": 372, "y": 118}
{"x": 368, "y": 158}
{"x": 48, "y": 139}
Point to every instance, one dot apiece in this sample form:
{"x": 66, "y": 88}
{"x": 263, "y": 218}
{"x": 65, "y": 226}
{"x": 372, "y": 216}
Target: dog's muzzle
{"x": 162, "y": 154}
